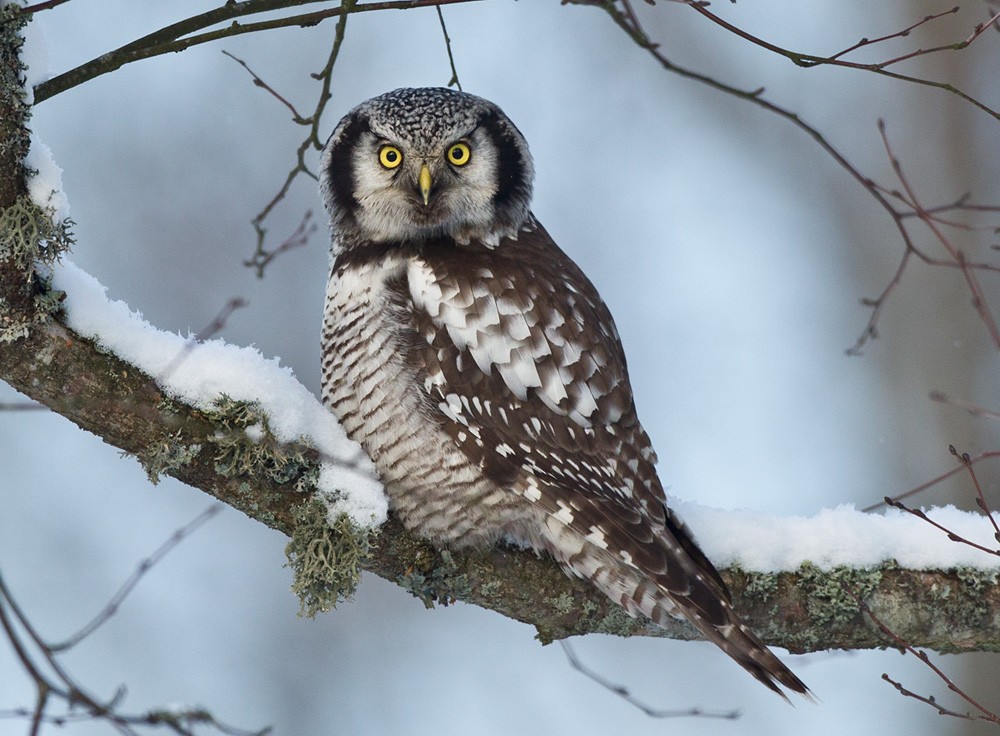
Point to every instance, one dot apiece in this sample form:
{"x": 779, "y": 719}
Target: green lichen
{"x": 325, "y": 558}
{"x": 616, "y": 622}
{"x": 831, "y": 595}
{"x": 167, "y": 455}
{"x": 245, "y": 446}
{"x": 759, "y": 585}
{"x": 435, "y": 578}
{"x": 563, "y": 603}
{"x": 29, "y": 234}
{"x": 30, "y": 237}
{"x": 968, "y": 606}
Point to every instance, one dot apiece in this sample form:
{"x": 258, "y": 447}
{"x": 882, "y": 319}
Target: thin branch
{"x": 175, "y": 37}
{"x": 629, "y": 25}
{"x": 453, "y": 82}
{"x": 948, "y": 532}
{"x": 47, "y": 5}
{"x": 980, "y": 498}
{"x": 898, "y": 34}
{"x": 967, "y": 269}
{"x": 974, "y": 409}
{"x": 977, "y": 31}
{"x": 66, "y": 689}
{"x": 213, "y": 327}
{"x": 985, "y": 714}
{"x": 262, "y": 257}
{"x": 143, "y": 567}
{"x": 933, "y": 482}
{"x": 264, "y": 85}
{"x": 622, "y": 692}
{"x": 810, "y": 60}
{"x": 928, "y": 699}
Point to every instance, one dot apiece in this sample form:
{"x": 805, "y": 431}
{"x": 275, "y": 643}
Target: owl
{"x": 481, "y": 371}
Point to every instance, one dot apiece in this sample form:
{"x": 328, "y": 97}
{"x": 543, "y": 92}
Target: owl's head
{"x": 416, "y": 164}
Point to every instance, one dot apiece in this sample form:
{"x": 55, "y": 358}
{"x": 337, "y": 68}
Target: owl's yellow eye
{"x": 390, "y": 157}
{"x": 459, "y": 154}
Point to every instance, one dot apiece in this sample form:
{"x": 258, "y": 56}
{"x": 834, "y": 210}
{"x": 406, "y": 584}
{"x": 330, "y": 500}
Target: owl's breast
{"x": 377, "y": 391}
{"x": 366, "y": 380}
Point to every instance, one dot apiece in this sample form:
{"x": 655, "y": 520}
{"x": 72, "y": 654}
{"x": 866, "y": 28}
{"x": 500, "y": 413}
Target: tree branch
{"x": 805, "y": 610}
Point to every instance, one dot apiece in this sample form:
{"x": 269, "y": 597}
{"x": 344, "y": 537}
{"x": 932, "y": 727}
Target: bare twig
{"x": 111, "y": 608}
{"x": 453, "y": 82}
{"x": 217, "y": 324}
{"x": 968, "y": 270}
{"x": 934, "y": 481}
{"x": 984, "y": 713}
{"x": 811, "y": 60}
{"x": 53, "y": 682}
{"x": 977, "y": 31}
{"x": 622, "y": 692}
{"x": 47, "y": 5}
{"x": 980, "y": 498}
{"x": 177, "y": 37}
{"x": 629, "y": 24}
{"x": 928, "y": 699}
{"x": 262, "y": 257}
{"x": 948, "y": 532}
{"x": 898, "y": 34}
{"x": 974, "y": 409}
{"x": 264, "y": 85}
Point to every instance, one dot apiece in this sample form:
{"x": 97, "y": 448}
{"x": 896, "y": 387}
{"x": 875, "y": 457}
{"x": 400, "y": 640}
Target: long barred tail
{"x": 667, "y": 576}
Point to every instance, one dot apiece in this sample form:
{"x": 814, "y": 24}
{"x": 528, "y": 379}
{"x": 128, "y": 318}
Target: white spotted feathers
{"x": 482, "y": 372}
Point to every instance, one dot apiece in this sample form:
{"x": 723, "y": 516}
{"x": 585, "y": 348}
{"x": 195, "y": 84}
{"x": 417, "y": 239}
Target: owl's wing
{"x": 522, "y": 365}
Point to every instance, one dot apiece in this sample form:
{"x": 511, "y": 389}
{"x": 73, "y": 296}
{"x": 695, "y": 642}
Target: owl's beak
{"x": 425, "y": 183}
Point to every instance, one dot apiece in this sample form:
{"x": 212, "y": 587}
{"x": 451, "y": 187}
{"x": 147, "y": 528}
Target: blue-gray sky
{"x": 731, "y": 249}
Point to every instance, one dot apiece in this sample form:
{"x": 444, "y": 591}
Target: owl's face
{"x": 416, "y": 164}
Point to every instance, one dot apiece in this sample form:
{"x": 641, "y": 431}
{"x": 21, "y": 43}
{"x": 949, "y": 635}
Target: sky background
{"x": 731, "y": 249}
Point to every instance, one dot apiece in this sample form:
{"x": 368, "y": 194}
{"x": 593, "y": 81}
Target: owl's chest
{"x": 366, "y": 379}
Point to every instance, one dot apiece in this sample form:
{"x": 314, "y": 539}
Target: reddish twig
{"x": 984, "y": 713}
{"x": 967, "y": 269}
{"x": 933, "y": 482}
{"x": 977, "y": 31}
{"x": 948, "y": 532}
{"x": 898, "y": 34}
{"x": 299, "y": 237}
{"x": 980, "y": 498}
{"x": 974, "y": 409}
{"x": 111, "y": 608}
{"x": 265, "y": 86}
{"x": 884, "y": 197}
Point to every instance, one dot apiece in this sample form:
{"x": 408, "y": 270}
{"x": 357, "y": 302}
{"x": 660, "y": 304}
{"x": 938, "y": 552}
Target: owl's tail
{"x": 673, "y": 579}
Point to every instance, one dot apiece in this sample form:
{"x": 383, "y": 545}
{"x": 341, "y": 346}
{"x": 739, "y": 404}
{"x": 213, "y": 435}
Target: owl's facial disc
{"x": 420, "y": 164}
{"x": 446, "y": 188}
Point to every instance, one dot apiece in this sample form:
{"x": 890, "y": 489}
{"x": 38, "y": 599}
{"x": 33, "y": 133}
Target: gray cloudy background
{"x": 731, "y": 249}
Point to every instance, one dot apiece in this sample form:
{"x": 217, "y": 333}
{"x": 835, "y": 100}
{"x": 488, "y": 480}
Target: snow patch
{"x": 201, "y": 373}
{"x": 839, "y": 536}
{"x": 45, "y": 184}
